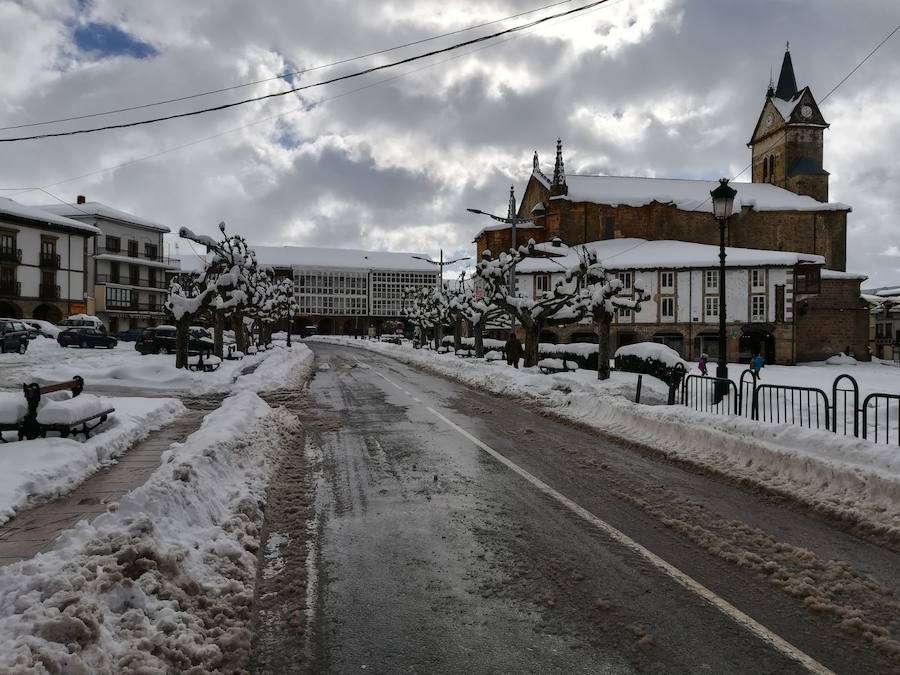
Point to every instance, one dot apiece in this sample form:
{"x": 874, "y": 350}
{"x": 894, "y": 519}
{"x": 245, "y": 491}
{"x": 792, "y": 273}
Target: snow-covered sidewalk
{"x": 848, "y": 477}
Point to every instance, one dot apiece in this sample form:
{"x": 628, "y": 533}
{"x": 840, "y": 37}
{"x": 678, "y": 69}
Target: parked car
{"x": 44, "y": 328}
{"x": 13, "y": 336}
{"x": 130, "y": 335}
{"x": 161, "y": 340}
{"x": 83, "y": 320}
{"x": 84, "y": 337}
{"x": 392, "y": 338}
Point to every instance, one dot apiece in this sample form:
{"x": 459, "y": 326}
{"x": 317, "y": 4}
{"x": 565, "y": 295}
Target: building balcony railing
{"x": 10, "y": 289}
{"x": 8, "y": 254}
{"x": 143, "y": 283}
{"x": 137, "y": 255}
{"x": 48, "y": 292}
{"x": 50, "y": 260}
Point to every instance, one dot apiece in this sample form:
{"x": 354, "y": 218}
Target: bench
{"x": 208, "y": 365}
{"x": 233, "y": 354}
{"x": 31, "y": 427}
{"x": 549, "y": 366}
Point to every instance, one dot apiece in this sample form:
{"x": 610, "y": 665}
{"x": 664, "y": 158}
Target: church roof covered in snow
{"x": 687, "y": 195}
{"x": 100, "y": 210}
{"x": 330, "y": 258}
{"x": 40, "y": 215}
{"x": 637, "y": 254}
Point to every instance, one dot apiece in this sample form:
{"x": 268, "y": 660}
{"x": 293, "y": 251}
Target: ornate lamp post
{"x": 441, "y": 264}
{"x": 723, "y": 202}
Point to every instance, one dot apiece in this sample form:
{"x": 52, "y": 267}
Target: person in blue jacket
{"x": 758, "y": 364}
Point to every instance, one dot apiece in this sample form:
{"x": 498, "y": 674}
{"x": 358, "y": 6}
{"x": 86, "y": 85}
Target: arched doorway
{"x": 10, "y": 310}
{"x": 50, "y": 313}
{"x": 756, "y": 340}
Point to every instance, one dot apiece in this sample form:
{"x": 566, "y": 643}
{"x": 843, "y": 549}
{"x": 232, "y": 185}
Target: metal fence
{"x": 877, "y": 419}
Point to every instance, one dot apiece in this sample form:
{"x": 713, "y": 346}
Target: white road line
{"x": 688, "y": 582}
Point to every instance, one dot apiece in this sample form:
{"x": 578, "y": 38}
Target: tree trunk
{"x": 240, "y": 334}
{"x": 478, "y": 330}
{"x": 218, "y": 328}
{"x": 457, "y": 335}
{"x": 532, "y": 344}
{"x": 437, "y": 337}
{"x": 182, "y": 335}
{"x": 603, "y": 347}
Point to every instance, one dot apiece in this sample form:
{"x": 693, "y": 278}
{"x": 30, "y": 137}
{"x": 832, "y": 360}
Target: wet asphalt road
{"x": 428, "y": 555}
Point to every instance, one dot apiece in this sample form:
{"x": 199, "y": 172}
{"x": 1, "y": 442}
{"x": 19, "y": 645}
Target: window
{"x": 114, "y": 272}
{"x": 151, "y": 251}
{"x": 806, "y": 280}
{"x": 765, "y": 169}
{"x": 771, "y": 168}
{"x": 623, "y": 314}
{"x": 667, "y": 309}
{"x": 712, "y": 280}
{"x": 757, "y": 279}
{"x": 609, "y": 227}
{"x": 134, "y": 275}
{"x": 151, "y": 277}
{"x": 758, "y": 308}
{"x": 625, "y": 278}
{"x": 667, "y": 282}
{"x": 879, "y": 330}
{"x": 132, "y": 248}
{"x": 113, "y": 244}
{"x": 118, "y": 297}
{"x": 711, "y": 307}
{"x": 8, "y": 246}
{"x": 541, "y": 283}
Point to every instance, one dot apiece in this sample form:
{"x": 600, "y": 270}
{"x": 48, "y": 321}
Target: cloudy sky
{"x": 634, "y": 87}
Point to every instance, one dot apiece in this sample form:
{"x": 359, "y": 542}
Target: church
{"x": 814, "y": 313}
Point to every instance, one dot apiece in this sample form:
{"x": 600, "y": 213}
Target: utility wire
{"x": 373, "y": 69}
{"x": 283, "y": 75}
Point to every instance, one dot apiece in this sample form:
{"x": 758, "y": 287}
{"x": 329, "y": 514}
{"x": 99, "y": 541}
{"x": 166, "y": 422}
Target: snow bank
{"x": 556, "y": 364}
{"x": 842, "y": 476}
{"x": 165, "y": 582}
{"x": 653, "y": 351}
{"x": 280, "y": 368}
{"x": 841, "y": 360}
{"x": 47, "y": 467}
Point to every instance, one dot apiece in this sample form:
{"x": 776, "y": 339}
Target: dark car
{"x": 13, "y": 336}
{"x": 130, "y": 335}
{"x": 161, "y": 340}
{"x": 84, "y": 337}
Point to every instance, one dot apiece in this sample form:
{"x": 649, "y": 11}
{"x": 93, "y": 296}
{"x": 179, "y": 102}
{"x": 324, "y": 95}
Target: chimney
{"x": 80, "y": 199}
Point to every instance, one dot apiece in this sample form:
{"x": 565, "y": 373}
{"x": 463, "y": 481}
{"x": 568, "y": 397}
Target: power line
{"x": 859, "y": 65}
{"x": 283, "y": 75}
{"x": 332, "y": 80}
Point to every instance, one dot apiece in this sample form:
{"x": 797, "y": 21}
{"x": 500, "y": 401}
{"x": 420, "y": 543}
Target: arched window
{"x": 771, "y": 168}
{"x": 765, "y": 169}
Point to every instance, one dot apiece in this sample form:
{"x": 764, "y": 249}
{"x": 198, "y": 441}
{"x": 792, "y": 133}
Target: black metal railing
{"x": 705, "y": 394}
{"x": 49, "y": 260}
{"x": 10, "y": 288}
{"x": 878, "y": 411}
{"x": 143, "y": 283}
{"x": 137, "y": 255}
{"x": 806, "y": 406}
{"x": 49, "y": 292}
{"x": 9, "y": 254}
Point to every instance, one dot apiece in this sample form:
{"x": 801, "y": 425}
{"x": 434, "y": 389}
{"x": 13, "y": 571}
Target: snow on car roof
{"x": 687, "y": 195}
{"x": 41, "y": 215}
{"x": 662, "y": 254}
{"x": 100, "y": 210}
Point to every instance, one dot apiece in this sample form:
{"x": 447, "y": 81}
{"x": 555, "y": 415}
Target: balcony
{"x": 48, "y": 292}
{"x": 8, "y": 254}
{"x": 134, "y": 306}
{"x": 10, "y": 289}
{"x": 50, "y": 260}
{"x": 137, "y": 255}
{"x": 141, "y": 282}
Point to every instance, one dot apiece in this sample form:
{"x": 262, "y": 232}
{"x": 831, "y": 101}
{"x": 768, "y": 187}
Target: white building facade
{"x": 681, "y": 279}
{"x": 127, "y": 266}
{"x": 43, "y": 263}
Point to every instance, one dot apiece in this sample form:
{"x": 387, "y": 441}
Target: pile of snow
{"x": 12, "y": 407}
{"x": 841, "y": 360}
{"x": 573, "y": 348}
{"x": 556, "y": 364}
{"x": 282, "y": 367}
{"x": 165, "y": 582}
{"x": 844, "y": 476}
{"x": 47, "y": 467}
{"x": 651, "y": 351}
{"x": 71, "y": 410}
{"x": 493, "y": 356}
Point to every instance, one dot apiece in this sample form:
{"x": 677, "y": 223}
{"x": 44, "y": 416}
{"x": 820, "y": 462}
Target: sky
{"x": 391, "y": 160}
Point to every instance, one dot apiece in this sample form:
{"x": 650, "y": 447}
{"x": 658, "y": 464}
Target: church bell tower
{"x": 788, "y": 140}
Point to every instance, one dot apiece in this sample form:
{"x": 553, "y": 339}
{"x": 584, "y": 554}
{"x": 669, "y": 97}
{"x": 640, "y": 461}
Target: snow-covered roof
{"x": 785, "y": 108}
{"x": 887, "y": 291}
{"x": 100, "y": 210}
{"x": 837, "y": 274}
{"x": 41, "y": 215}
{"x": 329, "y": 258}
{"x": 663, "y": 254}
{"x": 687, "y": 195}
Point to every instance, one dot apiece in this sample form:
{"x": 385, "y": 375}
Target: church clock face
{"x": 769, "y": 120}
{"x": 806, "y": 112}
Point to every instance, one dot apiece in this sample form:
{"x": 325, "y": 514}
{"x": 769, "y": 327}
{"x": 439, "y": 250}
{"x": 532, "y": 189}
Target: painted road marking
{"x": 686, "y": 581}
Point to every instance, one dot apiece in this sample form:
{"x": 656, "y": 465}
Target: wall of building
{"x": 832, "y": 321}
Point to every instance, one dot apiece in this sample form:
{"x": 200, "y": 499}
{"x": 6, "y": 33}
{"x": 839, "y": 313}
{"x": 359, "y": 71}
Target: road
{"x": 447, "y": 530}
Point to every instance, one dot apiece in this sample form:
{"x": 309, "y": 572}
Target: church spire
{"x": 770, "y": 92}
{"x": 535, "y": 163}
{"x": 787, "y": 83}
{"x": 558, "y": 186}
{"x": 511, "y": 211}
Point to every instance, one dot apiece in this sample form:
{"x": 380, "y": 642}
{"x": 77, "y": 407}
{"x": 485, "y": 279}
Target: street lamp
{"x": 441, "y": 264}
{"x": 512, "y": 220}
{"x": 723, "y": 202}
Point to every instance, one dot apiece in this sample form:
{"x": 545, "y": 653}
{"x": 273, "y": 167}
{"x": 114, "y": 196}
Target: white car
{"x": 45, "y": 328}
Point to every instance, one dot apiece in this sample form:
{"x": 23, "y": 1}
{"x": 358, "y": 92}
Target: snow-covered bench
{"x": 207, "y": 365}
{"x": 58, "y": 407}
{"x": 548, "y": 366}
{"x": 233, "y": 354}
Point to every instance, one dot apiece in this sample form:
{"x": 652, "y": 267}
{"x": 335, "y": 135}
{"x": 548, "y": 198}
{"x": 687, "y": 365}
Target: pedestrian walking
{"x": 701, "y": 364}
{"x": 513, "y": 350}
{"x": 757, "y": 364}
